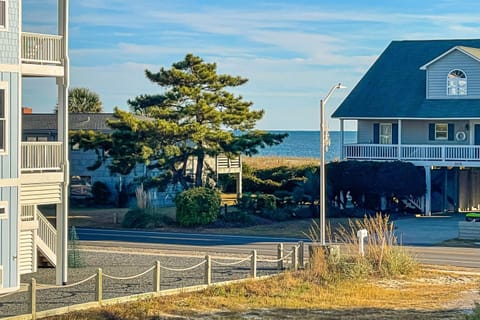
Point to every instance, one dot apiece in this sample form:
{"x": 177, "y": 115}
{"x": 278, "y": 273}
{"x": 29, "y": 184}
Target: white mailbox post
{"x": 361, "y": 234}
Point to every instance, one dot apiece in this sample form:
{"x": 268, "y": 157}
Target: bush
{"x": 146, "y": 218}
{"x": 101, "y": 193}
{"x": 197, "y": 206}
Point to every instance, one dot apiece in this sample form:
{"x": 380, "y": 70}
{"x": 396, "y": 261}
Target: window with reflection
{"x": 457, "y": 83}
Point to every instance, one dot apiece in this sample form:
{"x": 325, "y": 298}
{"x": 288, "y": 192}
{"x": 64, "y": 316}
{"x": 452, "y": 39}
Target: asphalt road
{"x": 214, "y": 243}
{"x": 184, "y": 242}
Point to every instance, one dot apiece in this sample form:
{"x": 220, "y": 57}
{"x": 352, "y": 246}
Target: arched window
{"x": 457, "y": 83}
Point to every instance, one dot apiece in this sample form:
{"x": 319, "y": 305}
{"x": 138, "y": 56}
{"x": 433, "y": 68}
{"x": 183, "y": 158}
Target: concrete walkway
{"x": 424, "y": 231}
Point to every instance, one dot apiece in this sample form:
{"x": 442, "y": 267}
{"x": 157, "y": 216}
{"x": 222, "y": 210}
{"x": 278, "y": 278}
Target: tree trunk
{"x": 199, "y": 171}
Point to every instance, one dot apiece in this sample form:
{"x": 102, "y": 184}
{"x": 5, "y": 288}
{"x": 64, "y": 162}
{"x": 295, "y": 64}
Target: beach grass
{"x": 272, "y": 162}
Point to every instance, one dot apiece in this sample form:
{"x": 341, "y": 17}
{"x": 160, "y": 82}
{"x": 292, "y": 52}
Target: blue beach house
{"x": 420, "y": 103}
{"x": 31, "y": 173}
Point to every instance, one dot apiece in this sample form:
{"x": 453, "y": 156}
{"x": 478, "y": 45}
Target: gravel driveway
{"x": 123, "y": 263}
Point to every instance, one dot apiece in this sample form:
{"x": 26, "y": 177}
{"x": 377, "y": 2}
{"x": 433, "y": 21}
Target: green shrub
{"x": 475, "y": 315}
{"x": 101, "y": 193}
{"x": 266, "y": 202}
{"x": 237, "y": 216}
{"x": 146, "y": 218}
{"x": 197, "y": 206}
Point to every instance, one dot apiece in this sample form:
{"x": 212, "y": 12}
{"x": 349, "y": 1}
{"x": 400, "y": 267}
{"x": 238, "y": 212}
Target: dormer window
{"x": 457, "y": 83}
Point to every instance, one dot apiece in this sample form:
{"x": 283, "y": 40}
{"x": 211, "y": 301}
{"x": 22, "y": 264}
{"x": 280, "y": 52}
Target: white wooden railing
{"x": 224, "y": 162}
{"x": 42, "y": 48}
{"x": 41, "y": 156}
{"x": 28, "y": 213}
{"x": 47, "y": 232}
{"x": 413, "y": 152}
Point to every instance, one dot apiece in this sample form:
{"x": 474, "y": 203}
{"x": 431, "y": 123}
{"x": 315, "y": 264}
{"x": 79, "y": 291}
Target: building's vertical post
{"x": 342, "y": 140}
{"x": 445, "y": 189}
{"x": 456, "y": 183}
{"x": 253, "y": 267}
{"x": 428, "y": 192}
{"x": 156, "y": 277}
{"x": 62, "y": 209}
{"x": 399, "y": 146}
{"x": 239, "y": 182}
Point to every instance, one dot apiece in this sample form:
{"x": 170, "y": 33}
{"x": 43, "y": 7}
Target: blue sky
{"x": 292, "y": 52}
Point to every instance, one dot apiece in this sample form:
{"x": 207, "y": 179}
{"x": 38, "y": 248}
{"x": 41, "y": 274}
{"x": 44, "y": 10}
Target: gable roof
{"x": 471, "y": 52}
{"x": 76, "y": 121}
{"x": 394, "y": 86}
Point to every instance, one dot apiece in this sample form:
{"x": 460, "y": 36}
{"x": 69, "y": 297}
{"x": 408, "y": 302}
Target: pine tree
{"x": 194, "y": 116}
{"x": 75, "y": 257}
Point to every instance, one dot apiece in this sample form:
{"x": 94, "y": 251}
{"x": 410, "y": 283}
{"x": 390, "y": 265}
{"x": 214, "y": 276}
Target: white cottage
{"x": 420, "y": 103}
{"x": 31, "y": 173}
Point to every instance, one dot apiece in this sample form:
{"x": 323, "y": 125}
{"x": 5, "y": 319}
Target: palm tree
{"x": 83, "y": 100}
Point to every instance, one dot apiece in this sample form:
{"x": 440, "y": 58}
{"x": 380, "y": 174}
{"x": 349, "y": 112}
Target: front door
{"x": 476, "y": 133}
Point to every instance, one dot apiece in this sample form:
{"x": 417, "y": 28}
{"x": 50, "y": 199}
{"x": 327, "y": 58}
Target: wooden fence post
{"x": 253, "y": 268}
{"x": 99, "y": 287}
{"x": 301, "y": 254}
{"x": 294, "y": 258}
{"x": 33, "y": 298}
{"x": 280, "y": 256}
{"x": 208, "y": 270}
{"x": 156, "y": 277}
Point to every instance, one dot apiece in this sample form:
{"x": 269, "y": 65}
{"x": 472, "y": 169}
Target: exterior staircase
{"x": 46, "y": 241}
{"x": 38, "y": 240}
{"x": 415, "y": 204}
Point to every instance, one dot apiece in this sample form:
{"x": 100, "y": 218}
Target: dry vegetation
{"x": 430, "y": 295}
{"x": 384, "y": 284}
{"x": 272, "y": 162}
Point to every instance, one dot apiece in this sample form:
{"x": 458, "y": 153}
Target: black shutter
{"x": 395, "y": 133}
{"x": 376, "y": 133}
{"x": 431, "y": 131}
{"x": 451, "y": 131}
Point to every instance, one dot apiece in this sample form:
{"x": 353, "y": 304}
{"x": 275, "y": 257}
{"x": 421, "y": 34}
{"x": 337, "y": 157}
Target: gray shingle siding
{"x": 9, "y": 38}
{"x": 438, "y": 71}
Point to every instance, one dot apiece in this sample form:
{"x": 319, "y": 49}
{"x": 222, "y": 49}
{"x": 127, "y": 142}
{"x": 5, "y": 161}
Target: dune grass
{"x": 272, "y": 162}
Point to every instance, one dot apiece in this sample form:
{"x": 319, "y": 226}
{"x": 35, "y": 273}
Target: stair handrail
{"x": 47, "y": 232}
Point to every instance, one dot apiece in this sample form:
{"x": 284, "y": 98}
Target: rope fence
{"x": 296, "y": 255}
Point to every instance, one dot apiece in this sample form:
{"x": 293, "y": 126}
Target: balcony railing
{"x": 413, "y": 152}
{"x": 224, "y": 162}
{"x": 42, "y": 48}
{"x": 41, "y": 156}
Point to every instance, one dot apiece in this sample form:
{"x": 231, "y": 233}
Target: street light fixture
{"x": 322, "y": 161}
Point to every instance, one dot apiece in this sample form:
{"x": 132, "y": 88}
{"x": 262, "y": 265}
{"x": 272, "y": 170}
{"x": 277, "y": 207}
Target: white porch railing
{"x": 41, "y": 156}
{"x": 449, "y": 153}
{"x": 224, "y": 162}
{"x": 28, "y": 213}
{"x": 42, "y": 48}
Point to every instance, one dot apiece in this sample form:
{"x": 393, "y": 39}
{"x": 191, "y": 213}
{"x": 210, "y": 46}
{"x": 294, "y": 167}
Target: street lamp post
{"x": 322, "y": 161}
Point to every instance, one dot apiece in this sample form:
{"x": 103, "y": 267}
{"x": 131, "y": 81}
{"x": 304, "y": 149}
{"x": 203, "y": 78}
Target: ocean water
{"x": 306, "y": 144}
